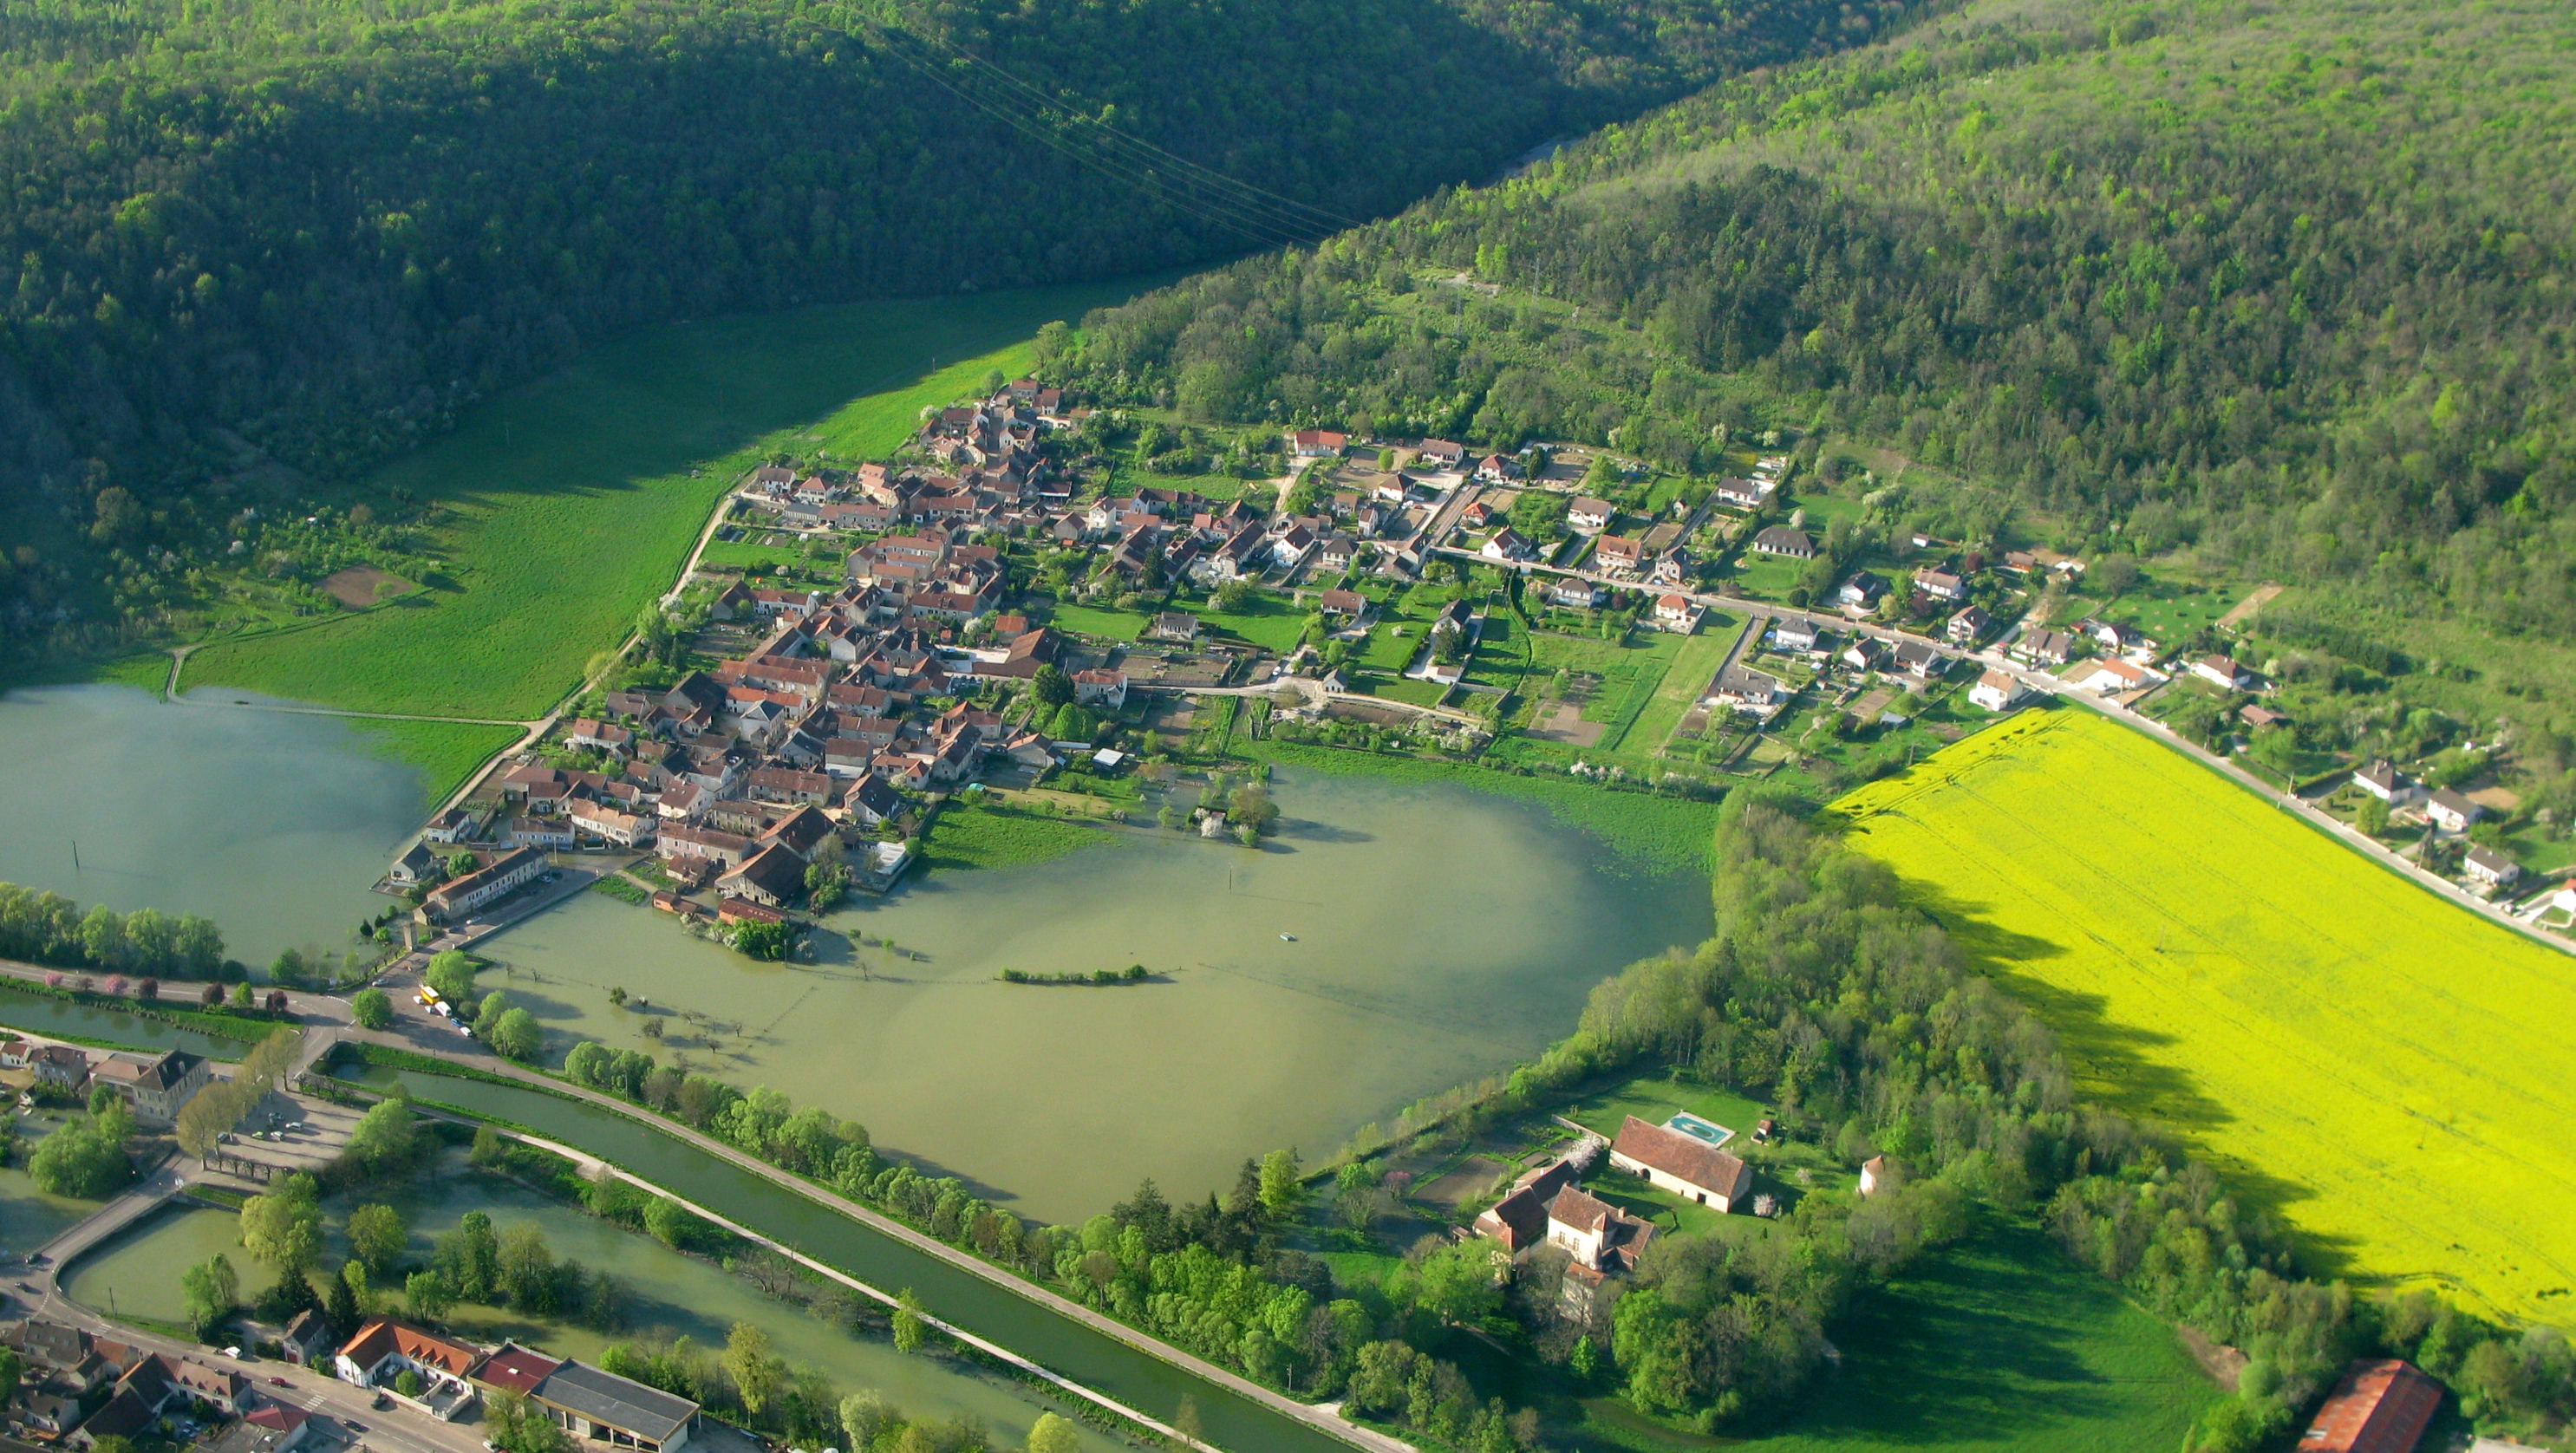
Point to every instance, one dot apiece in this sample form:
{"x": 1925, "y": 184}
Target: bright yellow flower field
{"x": 2394, "y": 1074}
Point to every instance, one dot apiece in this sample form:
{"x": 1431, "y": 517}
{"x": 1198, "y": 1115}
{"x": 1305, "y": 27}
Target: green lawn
{"x": 446, "y": 752}
{"x": 1762, "y": 577}
{"x": 790, "y": 556}
{"x": 985, "y": 837}
{"x": 1109, "y": 625}
{"x": 578, "y": 496}
{"x": 1267, "y": 621}
{"x": 1656, "y": 1099}
{"x": 2002, "y": 1345}
{"x": 1684, "y": 680}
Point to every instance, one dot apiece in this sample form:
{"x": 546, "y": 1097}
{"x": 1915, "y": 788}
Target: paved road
{"x": 150, "y": 1195}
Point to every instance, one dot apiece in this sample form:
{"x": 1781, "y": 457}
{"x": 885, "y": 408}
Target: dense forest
{"x": 2287, "y": 282}
{"x": 249, "y": 248}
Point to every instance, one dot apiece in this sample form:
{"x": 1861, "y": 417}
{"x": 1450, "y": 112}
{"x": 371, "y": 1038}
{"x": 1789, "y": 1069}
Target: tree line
{"x": 46, "y": 928}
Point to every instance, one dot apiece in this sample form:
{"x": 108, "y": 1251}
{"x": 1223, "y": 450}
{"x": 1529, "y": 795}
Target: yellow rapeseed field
{"x": 2391, "y": 1072}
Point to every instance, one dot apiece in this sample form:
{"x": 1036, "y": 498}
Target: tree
{"x": 1461, "y": 1282}
{"x": 515, "y": 1034}
{"x": 339, "y": 1305}
{"x": 87, "y": 1158}
{"x": 2372, "y": 816}
{"x": 385, "y": 1139}
{"x": 757, "y": 1372}
{"x": 671, "y": 1223}
{"x": 516, "y": 1428}
{"x": 865, "y": 1414}
{"x": 909, "y": 1329}
{"x": 428, "y": 1294}
{"x": 451, "y": 977}
{"x": 1283, "y": 1185}
{"x": 768, "y": 942}
{"x": 1051, "y": 687}
{"x": 209, "y": 1291}
{"x": 13, "y": 1368}
{"x": 372, "y": 1009}
{"x": 1054, "y": 1433}
{"x": 471, "y": 1257}
{"x": 524, "y": 1270}
{"x": 378, "y": 1237}
{"x": 284, "y": 1225}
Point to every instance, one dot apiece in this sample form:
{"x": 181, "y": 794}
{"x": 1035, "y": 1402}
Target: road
{"x": 394, "y": 1430}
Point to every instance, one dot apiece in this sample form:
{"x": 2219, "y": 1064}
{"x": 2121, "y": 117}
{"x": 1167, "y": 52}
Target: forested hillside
{"x": 301, "y": 232}
{"x": 2290, "y": 281}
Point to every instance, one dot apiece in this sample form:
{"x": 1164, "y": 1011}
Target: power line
{"x": 1266, "y": 216}
{"x": 1288, "y": 205}
{"x": 1218, "y": 210}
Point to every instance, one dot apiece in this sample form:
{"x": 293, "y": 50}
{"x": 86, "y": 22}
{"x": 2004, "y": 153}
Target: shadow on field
{"x": 2116, "y": 1064}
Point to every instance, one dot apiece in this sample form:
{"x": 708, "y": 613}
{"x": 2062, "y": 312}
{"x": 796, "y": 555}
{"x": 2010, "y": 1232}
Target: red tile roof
{"x": 2380, "y": 1406}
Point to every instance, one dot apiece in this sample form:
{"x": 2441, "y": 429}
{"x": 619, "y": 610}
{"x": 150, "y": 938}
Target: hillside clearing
{"x": 2386, "y": 1070}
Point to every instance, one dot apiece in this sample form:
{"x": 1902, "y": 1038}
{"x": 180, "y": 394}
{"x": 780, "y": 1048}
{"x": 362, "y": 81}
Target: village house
{"x": 1997, "y": 690}
{"x": 1505, "y": 544}
{"x": 1744, "y": 494}
{"x": 2219, "y": 671}
{"x": 1920, "y": 660}
{"x": 1348, "y": 606}
{"x": 2486, "y": 865}
{"x": 2451, "y": 812}
{"x": 541, "y": 832}
{"x": 1600, "y": 1237}
{"x": 2045, "y": 647}
{"x": 1178, "y": 626}
{"x": 1589, "y": 515}
{"x": 1441, "y": 453}
{"x": 271, "y": 1428}
{"x": 460, "y": 896}
{"x": 1574, "y": 591}
{"x": 1677, "y": 613}
{"x": 1682, "y": 1164}
{"x": 1618, "y": 555}
{"x": 1745, "y": 689}
{"x": 1939, "y": 584}
{"x": 1793, "y": 633}
{"x": 2109, "y": 674}
{"x": 1861, "y": 591}
{"x": 1101, "y": 686}
{"x": 1874, "y": 1175}
{"x": 2386, "y": 783}
{"x": 1966, "y": 626}
{"x": 772, "y": 877}
{"x": 417, "y": 865}
{"x": 384, "y": 1349}
{"x": 1317, "y": 444}
{"x": 625, "y": 829}
{"x": 1519, "y": 1219}
{"x": 60, "y": 1066}
{"x": 1781, "y": 540}
{"x": 155, "y": 1087}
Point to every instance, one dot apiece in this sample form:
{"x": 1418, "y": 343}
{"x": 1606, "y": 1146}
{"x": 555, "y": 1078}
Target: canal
{"x": 955, "y": 1295}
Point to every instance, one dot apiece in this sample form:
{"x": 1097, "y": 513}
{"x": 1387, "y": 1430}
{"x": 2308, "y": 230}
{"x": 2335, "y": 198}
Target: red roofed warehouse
{"x": 2380, "y": 1406}
{"x": 1682, "y": 1164}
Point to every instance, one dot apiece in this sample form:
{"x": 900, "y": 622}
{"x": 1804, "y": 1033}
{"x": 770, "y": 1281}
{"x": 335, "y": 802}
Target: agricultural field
{"x": 2386, "y": 1070}
{"x": 574, "y": 500}
{"x": 446, "y": 752}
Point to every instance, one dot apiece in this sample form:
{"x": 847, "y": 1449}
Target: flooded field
{"x": 1396, "y": 939}
{"x": 666, "y": 1293}
{"x": 272, "y": 824}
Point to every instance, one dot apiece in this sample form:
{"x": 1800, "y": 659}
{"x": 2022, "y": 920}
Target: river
{"x": 270, "y": 823}
{"x": 666, "y": 1293}
{"x": 1393, "y": 940}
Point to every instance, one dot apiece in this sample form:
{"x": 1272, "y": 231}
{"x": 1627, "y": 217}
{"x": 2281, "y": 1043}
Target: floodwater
{"x": 29, "y": 1217}
{"x": 1395, "y": 939}
{"x": 666, "y": 1292}
{"x": 270, "y": 823}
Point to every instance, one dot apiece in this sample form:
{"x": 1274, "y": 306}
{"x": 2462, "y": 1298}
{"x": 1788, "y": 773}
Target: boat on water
{"x": 1288, "y": 938}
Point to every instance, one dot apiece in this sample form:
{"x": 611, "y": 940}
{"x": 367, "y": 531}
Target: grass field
{"x": 577, "y": 497}
{"x": 1692, "y": 668}
{"x": 2001, "y": 1345}
{"x": 2390, "y": 1072}
{"x": 1108, "y": 625}
{"x": 981, "y": 837}
{"x": 446, "y": 752}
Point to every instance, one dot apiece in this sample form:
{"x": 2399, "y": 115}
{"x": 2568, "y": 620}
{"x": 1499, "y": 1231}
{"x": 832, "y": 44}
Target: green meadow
{"x": 446, "y": 752}
{"x": 2001, "y": 1345}
{"x": 573, "y": 501}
